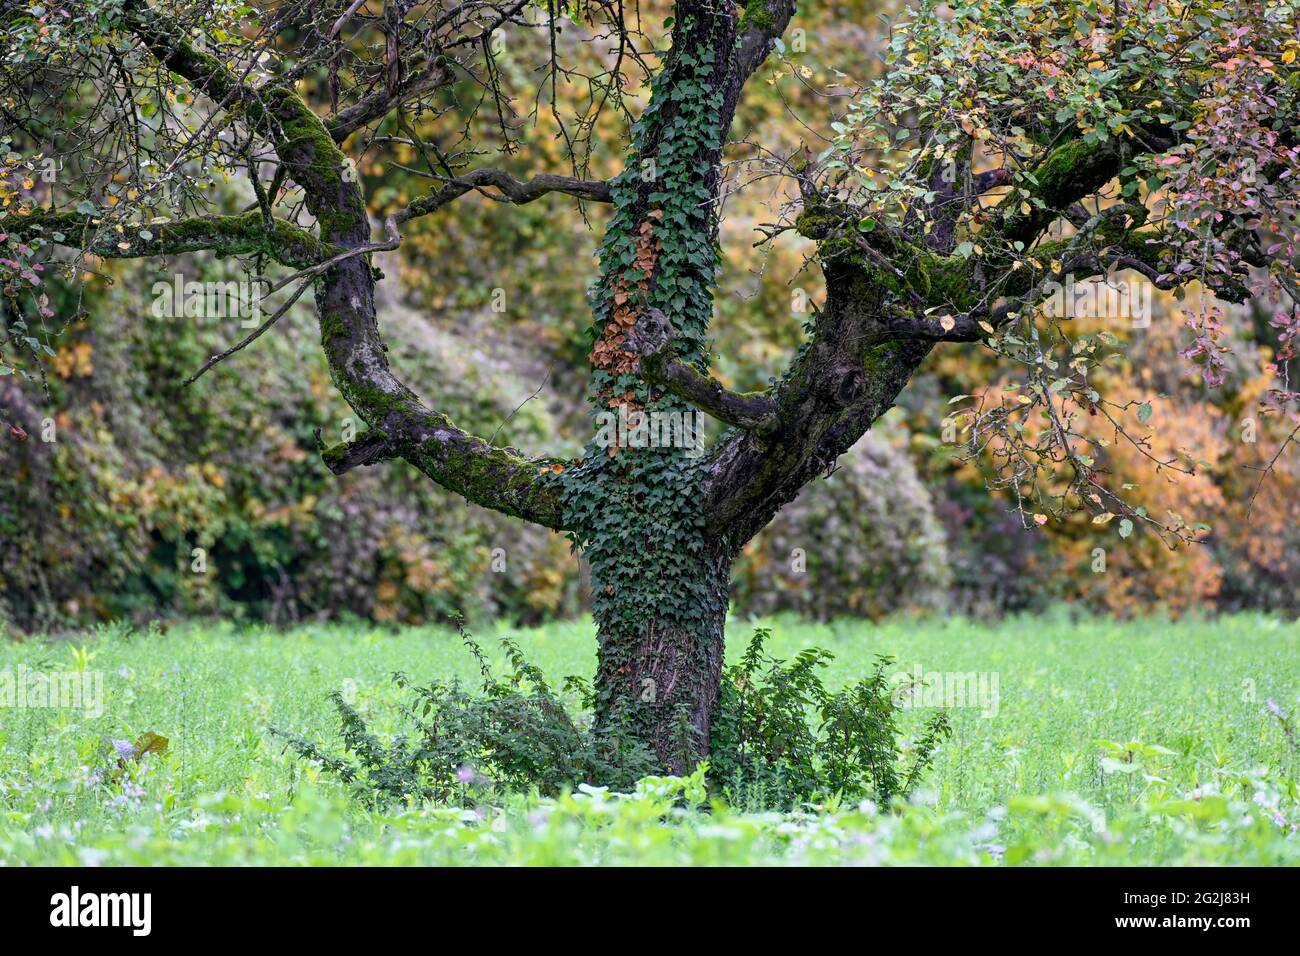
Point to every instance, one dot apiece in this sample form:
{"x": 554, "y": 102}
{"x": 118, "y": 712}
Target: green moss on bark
{"x": 756, "y": 15}
{"x": 246, "y": 234}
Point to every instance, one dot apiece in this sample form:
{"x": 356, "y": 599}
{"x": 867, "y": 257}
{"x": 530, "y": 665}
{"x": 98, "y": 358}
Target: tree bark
{"x": 657, "y": 678}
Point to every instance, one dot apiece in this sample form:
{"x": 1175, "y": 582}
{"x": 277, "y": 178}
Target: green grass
{"x": 1198, "y": 771}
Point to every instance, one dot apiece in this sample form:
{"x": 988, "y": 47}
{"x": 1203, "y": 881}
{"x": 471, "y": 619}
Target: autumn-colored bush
{"x": 124, "y": 494}
{"x": 1194, "y": 456}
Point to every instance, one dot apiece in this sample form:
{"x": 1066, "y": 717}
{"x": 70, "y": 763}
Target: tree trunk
{"x": 639, "y": 512}
{"x": 660, "y": 667}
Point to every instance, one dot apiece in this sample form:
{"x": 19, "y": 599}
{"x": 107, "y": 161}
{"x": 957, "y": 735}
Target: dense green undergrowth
{"x": 781, "y": 739}
{"x": 1106, "y": 743}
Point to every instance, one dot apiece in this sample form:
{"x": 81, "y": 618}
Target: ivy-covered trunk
{"x": 659, "y": 585}
{"x": 659, "y": 600}
{"x": 660, "y": 657}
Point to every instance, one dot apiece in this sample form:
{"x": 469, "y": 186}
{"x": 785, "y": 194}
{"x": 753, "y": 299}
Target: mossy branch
{"x": 652, "y": 341}
{"x": 496, "y": 478}
{"x": 247, "y": 234}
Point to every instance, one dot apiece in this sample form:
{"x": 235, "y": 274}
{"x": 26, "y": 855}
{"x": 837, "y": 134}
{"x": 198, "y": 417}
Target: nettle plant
{"x": 1006, "y": 148}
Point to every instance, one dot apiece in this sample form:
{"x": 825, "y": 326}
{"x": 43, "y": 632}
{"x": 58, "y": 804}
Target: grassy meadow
{"x": 1142, "y": 742}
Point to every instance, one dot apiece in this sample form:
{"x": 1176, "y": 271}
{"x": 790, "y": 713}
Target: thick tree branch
{"x": 652, "y": 341}
{"x": 875, "y": 329}
{"x": 498, "y": 478}
{"x": 275, "y": 113}
{"x": 246, "y": 234}
{"x": 759, "y": 28}
{"x": 751, "y": 478}
{"x": 848, "y": 371}
{"x": 1068, "y": 173}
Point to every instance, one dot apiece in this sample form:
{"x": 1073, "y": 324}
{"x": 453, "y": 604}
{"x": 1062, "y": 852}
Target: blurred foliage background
{"x": 485, "y": 310}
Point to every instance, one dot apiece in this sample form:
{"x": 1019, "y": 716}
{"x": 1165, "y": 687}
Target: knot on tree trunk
{"x": 845, "y": 385}
{"x": 651, "y": 339}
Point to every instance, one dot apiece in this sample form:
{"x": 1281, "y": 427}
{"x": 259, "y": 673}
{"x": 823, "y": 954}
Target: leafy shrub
{"x": 862, "y": 543}
{"x": 516, "y": 735}
{"x": 765, "y": 752}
